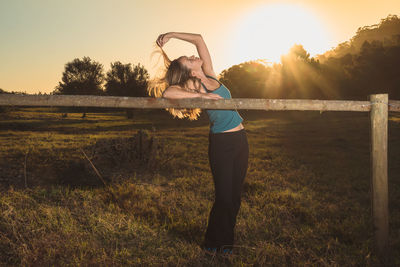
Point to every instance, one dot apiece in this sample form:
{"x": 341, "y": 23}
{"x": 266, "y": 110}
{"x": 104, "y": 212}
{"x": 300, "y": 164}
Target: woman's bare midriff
{"x": 237, "y": 128}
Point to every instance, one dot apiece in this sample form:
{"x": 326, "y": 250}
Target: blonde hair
{"x": 175, "y": 73}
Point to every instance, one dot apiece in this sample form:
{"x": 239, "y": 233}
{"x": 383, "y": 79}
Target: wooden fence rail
{"x": 378, "y": 106}
{"x": 155, "y": 103}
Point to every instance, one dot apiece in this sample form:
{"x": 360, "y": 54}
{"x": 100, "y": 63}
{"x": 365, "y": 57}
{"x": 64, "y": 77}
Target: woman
{"x": 192, "y": 77}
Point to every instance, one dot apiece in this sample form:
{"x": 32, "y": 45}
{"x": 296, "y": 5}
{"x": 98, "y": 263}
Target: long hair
{"x": 175, "y": 73}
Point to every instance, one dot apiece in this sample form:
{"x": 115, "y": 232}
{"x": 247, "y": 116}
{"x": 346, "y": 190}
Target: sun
{"x": 271, "y": 30}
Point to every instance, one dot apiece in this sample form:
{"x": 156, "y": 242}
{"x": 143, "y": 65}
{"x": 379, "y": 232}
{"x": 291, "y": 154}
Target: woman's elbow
{"x": 167, "y": 94}
{"x": 200, "y": 38}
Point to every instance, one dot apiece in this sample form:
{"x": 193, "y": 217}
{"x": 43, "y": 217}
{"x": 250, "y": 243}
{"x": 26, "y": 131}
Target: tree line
{"x": 86, "y": 77}
{"x": 366, "y": 64}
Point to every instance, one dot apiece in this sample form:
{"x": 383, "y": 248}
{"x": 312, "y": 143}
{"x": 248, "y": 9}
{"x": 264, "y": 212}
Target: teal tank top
{"x": 222, "y": 120}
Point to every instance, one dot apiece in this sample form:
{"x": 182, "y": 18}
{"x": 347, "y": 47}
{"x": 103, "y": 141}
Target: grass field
{"x": 306, "y": 199}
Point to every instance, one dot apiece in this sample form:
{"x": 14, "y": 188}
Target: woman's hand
{"x": 163, "y": 39}
{"x": 210, "y": 96}
{"x": 195, "y": 39}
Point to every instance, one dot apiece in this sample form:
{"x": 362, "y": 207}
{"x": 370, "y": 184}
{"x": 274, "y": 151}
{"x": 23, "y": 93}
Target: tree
{"x": 81, "y": 77}
{"x": 3, "y": 109}
{"x": 297, "y": 52}
{"x": 247, "y": 79}
{"x": 126, "y": 80}
{"x": 387, "y": 31}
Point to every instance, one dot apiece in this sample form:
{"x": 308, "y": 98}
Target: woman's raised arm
{"x": 195, "y": 39}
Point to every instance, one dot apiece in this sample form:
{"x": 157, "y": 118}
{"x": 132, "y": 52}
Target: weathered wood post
{"x": 379, "y": 182}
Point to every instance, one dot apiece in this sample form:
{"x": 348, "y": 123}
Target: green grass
{"x": 306, "y": 198}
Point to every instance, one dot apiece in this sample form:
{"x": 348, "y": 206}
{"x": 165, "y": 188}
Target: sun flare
{"x": 270, "y": 31}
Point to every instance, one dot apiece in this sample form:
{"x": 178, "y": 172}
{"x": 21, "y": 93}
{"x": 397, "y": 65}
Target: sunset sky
{"x": 39, "y": 37}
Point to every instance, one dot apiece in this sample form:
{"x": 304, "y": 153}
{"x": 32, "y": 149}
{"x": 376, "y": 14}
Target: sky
{"x": 38, "y": 37}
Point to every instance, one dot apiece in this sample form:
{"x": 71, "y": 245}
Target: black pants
{"x": 228, "y": 155}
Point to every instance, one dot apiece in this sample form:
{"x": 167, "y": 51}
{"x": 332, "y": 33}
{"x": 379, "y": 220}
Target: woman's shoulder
{"x": 214, "y": 82}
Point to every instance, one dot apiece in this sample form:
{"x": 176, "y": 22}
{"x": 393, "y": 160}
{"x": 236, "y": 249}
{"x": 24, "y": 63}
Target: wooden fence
{"x": 378, "y": 106}
{"x": 154, "y": 103}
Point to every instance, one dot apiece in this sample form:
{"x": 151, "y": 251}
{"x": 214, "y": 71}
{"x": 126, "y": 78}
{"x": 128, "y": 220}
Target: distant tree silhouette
{"x": 247, "y": 79}
{"x": 3, "y": 109}
{"x": 303, "y": 77}
{"x": 126, "y": 80}
{"x": 376, "y": 69}
{"x": 12, "y": 92}
{"x": 387, "y": 31}
{"x": 81, "y": 77}
{"x": 297, "y": 52}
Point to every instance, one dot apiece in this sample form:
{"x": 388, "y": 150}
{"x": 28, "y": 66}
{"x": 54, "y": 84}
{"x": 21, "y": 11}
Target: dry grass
{"x": 305, "y": 201}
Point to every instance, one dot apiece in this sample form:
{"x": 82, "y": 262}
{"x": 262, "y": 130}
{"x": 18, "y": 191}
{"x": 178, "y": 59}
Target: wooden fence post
{"x": 379, "y": 182}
